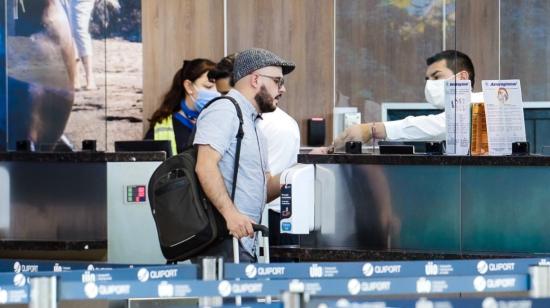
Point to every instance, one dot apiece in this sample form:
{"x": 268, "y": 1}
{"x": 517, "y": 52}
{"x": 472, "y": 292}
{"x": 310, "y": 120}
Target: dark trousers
{"x": 225, "y": 249}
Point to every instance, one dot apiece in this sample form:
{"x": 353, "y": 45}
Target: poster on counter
{"x": 457, "y": 116}
{"x": 504, "y": 115}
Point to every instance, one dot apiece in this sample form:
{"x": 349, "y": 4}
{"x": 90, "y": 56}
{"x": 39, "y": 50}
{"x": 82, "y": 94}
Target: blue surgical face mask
{"x": 203, "y": 97}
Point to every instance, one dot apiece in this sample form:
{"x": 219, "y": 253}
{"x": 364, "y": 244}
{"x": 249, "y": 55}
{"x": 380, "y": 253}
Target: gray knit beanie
{"x": 253, "y": 59}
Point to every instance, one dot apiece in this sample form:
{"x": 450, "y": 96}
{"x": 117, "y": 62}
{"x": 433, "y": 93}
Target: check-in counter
{"x": 78, "y": 206}
{"x": 436, "y": 204}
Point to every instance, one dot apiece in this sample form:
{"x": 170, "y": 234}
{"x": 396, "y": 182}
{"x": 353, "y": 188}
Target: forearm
{"x": 212, "y": 183}
{"x": 379, "y": 131}
{"x": 375, "y": 130}
{"x": 359, "y": 132}
{"x": 273, "y": 187}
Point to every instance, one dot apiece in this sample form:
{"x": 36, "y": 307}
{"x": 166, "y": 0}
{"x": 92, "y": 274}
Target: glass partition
{"x": 3, "y": 105}
{"x": 524, "y": 46}
{"x": 381, "y": 50}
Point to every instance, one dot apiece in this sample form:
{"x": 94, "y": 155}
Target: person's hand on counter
{"x": 320, "y": 150}
{"x": 360, "y": 132}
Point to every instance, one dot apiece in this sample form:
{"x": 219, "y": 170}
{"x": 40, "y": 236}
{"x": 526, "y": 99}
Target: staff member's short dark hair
{"x": 224, "y": 68}
{"x": 456, "y": 61}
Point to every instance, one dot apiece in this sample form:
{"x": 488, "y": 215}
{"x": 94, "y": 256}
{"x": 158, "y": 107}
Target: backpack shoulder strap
{"x": 240, "y": 135}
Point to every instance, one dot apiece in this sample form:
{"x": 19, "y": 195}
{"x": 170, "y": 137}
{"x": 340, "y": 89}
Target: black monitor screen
{"x": 144, "y": 146}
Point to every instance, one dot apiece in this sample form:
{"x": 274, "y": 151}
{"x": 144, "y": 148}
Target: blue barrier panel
{"x": 174, "y": 281}
{"x": 30, "y": 266}
{"x": 255, "y": 305}
{"x": 180, "y": 280}
{"x": 14, "y": 289}
{"x": 381, "y": 269}
{"x": 489, "y": 302}
{"x": 99, "y": 285}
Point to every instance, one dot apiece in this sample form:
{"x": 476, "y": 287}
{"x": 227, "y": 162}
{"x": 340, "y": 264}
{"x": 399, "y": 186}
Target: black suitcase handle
{"x": 261, "y": 228}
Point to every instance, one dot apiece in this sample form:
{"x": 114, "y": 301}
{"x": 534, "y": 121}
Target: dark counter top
{"x": 52, "y": 245}
{"x": 286, "y": 253}
{"x": 54, "y": 250}
{"x": 82, "y": 157}
{"x": 376, "y": 159}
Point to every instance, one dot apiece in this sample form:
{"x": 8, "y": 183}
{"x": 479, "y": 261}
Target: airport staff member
{"x": 175, "y": 119}
{"x": 442, "y": 66}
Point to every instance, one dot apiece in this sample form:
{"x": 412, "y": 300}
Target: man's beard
{"x": 265, "y": 101}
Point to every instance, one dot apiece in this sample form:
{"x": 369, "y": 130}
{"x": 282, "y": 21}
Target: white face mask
{"x": 435, "y": 93}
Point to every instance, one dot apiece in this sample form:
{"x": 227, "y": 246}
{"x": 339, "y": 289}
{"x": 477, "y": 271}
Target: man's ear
{"x": 463, "y": 75}
{"x": 253, "y": 81}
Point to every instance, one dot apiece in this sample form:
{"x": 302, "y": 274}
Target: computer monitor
{"x": 144, "y": 146}
{"x": 397, "y": 111}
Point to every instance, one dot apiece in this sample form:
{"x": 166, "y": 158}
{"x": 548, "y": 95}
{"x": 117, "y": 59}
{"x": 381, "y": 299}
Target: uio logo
{"x": 143, "y": 274}
{"x": 424, "y": 303}
{"x": 431, "y": 268}
{"x": 315, "y": 271}
{"x": 165, "y": 289}
{"x": 368, "y": 269}
{"x": 57, "y": 268}
{"x": 423, "y": 285}
{"x": 251, "y": 271}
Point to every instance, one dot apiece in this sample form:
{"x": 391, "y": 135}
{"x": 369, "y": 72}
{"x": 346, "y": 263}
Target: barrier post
{"x": 212, "y": 269}
{"x": 43, "y": 292}
{"x": 539, "y": 284}
{"x": 293, "y": 299}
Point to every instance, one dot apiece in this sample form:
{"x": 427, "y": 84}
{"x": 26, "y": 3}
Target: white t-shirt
{"x": 283, "y": 143}
{"x": 429, "y": 128}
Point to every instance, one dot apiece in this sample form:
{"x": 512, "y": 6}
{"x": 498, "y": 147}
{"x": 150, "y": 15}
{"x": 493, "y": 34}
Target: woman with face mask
{"x": 175, "y": 119}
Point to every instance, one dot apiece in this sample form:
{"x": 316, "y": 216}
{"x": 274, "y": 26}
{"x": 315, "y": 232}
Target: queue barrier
{"x": 487, "y": 302}
{"x": 316, "y": 280}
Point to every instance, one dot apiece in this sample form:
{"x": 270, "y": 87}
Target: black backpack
{"x": 186, "y": 221}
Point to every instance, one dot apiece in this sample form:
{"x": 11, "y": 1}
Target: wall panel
{"x": 174, "y": 30}
{"x": 298, "y": 30}
{"x": 477, "y": 35}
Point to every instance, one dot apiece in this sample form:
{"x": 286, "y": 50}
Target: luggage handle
{"x": 261, "y": 228}
{"x": 265, "y": 234}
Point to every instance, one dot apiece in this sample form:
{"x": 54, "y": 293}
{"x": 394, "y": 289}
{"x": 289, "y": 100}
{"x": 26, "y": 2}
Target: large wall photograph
{"x": 74, "y": 71}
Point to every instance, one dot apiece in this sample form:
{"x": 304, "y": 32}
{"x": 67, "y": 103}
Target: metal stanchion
{"x": 211, "y": 268}
{"x": 43, "y": 292}
{"x": 293, "y": 300}
{"x": 539, "y": 281}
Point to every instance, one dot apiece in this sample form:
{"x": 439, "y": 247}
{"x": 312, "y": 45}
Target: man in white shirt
{"x": 283, "y": 146}
{"x": 445, "y": 65}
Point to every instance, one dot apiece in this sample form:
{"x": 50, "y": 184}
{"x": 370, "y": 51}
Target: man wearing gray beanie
{"x": 259, "y": 84}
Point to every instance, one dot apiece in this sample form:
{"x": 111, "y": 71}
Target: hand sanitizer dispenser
{"x": 297, "y": 199}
